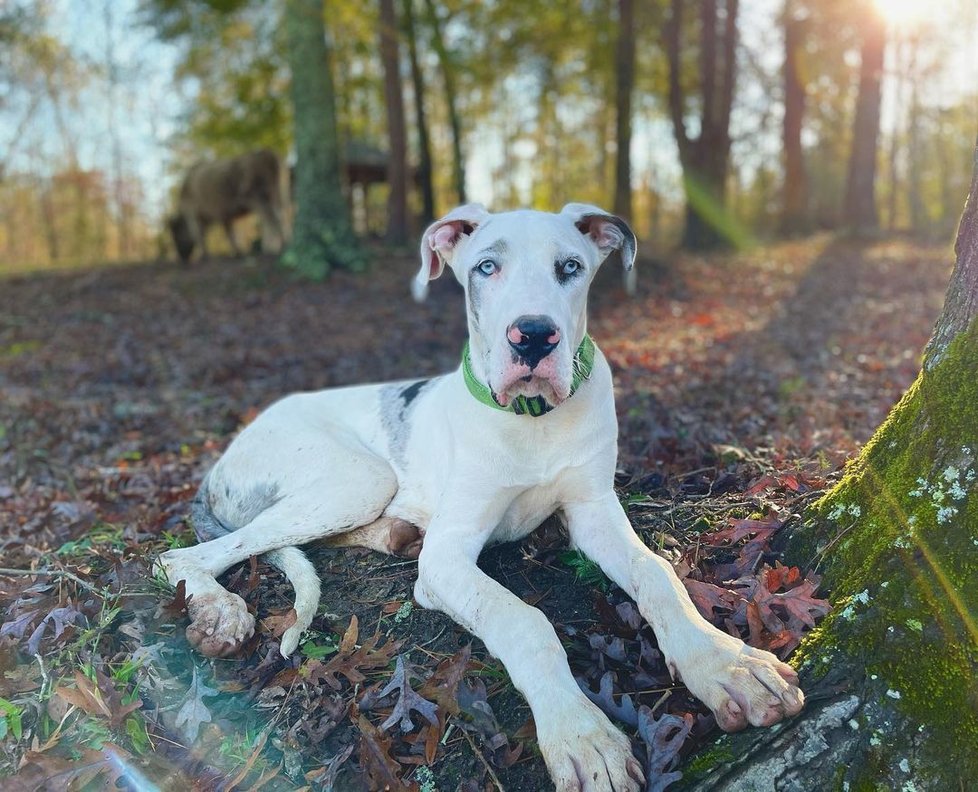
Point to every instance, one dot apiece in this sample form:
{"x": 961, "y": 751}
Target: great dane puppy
{"x": 524, "y": 428}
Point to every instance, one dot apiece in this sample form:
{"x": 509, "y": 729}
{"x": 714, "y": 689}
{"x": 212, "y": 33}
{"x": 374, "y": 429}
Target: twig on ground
{"x": 52, "y": 573}
{"x": 478, "y": 753}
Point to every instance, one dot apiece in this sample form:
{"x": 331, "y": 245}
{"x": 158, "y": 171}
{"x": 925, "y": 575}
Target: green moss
{"x": 866, "y": 781}
{"x": 882, "y": 531}
{"x": 815, "y": 653}
{"x": 705, "y": 761}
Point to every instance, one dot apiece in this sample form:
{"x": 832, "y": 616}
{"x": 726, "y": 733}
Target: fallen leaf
{"x": 85, "y": 696}
{"x": 193, "y": 711}
{"x": 663, "y": 737}
{"x": 708, "y": 597}
{"x": 382, "y": 770}
{"x": 351, "y": 661}
{"x": 408, "y": 700}
{"x": 625, "y": 711}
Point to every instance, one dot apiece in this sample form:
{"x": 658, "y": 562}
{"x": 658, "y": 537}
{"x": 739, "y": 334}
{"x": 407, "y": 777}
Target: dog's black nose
{"x": 533, "y": 338}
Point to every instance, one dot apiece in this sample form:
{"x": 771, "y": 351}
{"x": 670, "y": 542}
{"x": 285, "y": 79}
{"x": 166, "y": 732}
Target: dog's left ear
{"x": 607, "y": 231}
{"x": 439, "y": 241}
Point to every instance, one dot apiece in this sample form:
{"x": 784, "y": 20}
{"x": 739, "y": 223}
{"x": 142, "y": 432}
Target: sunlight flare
{"x": 905, "y": 14}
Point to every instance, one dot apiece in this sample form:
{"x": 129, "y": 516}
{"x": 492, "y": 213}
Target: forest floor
{"x": 743, "y": 384}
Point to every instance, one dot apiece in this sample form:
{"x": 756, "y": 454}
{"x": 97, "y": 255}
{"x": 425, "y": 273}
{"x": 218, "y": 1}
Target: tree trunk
{"x": 321, "y": 233}
{"x": 918, "y": 215}
{"x": 397, "y": 219}
{"x": 901, "y": 71}
{"x": 426, "y": 182}
{"x": 624, "y": 82}
{"x": 860, "y": 203}
{"x": 49, "y": 220}
{"x": 891, "y": 675}
{"x": 122, "y": 204}
{"x": 794, "y": 209}
{"x": 448, "y": 80}
{"x": 705, "y": 158}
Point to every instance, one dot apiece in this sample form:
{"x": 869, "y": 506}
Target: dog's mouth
{"x": 520, "y": 381}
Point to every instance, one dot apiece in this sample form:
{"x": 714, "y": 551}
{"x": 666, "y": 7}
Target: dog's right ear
{"x": 440, "y": 240}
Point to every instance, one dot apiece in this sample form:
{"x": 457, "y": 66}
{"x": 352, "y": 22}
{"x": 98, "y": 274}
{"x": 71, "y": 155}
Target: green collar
{"x": 534, "y": 406}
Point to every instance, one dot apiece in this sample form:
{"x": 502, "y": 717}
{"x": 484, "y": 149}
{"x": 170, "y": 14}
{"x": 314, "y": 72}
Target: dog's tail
{"x": 291, "y": 561}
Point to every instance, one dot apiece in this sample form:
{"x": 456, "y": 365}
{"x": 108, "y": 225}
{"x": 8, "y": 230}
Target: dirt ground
{"x": 743, "y": 383}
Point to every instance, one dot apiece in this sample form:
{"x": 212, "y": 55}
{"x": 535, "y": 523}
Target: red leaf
{"x": 782, "y": 577}
{"x": 801, "y": 605}
{"x": 707, "y": 597}
{"x": 765, "y": 482}
{"x": 741, "y": 529}
{"x": 178, "y": 605}
{"x": 797, "y": 604}
{"x": 790, "y": 480}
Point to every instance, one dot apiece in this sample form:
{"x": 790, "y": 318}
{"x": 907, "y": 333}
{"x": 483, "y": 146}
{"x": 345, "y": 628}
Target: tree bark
{"x": 860, "y": 201}
{"x": 624, "y": 83}
{"x": 49, "y": 219}
{"x": 891, "y": 675}
{"x": 705, "y": 158}
{"x": 122, "y": 204}
{"x": 321, "y": 234}
{"x": 794, "y": 209}
{"x": 397, "y": 216}
{"x": 451, "y": 99}
{"x": 425, "y": 180}
{"x": 961, "y": 303}
{"x": 901, "y": 73}
{"x": 918, "y": 215}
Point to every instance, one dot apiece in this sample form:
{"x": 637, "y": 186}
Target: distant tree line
{"x": 676, "y": 113}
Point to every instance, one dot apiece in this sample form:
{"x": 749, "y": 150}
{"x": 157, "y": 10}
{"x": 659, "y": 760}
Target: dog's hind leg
{"x": 390, "y": 535}
{"x": 307, "y": 510}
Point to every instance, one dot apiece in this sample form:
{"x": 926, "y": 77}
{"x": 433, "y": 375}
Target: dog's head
{"x": 526, "y": 276}
{"x": 182, "y": 238}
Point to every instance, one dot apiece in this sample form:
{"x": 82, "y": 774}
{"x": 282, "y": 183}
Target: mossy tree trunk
{"x": 322, "y": 236}
{"x": 892, "y": 675}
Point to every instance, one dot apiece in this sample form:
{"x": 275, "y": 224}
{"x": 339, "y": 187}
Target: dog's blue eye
{"x": 487, "y": 267}
{"x": 570, "y": 266}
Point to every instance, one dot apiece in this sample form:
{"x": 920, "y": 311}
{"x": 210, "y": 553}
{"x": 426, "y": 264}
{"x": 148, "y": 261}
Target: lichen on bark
{"x": 899, "y": 653}
{"x": 897, "y": 542}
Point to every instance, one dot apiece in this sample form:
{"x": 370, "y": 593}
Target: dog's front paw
{"x": 584, "y": 752}
{"x": 741, "y": 684}
{"x": 219, "y": 623}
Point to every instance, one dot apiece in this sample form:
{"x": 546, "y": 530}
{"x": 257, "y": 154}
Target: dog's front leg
{"x": 739, "y": 683}
{"x": 584, "y": 752}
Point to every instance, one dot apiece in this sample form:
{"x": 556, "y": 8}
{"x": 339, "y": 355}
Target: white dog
{"x": 524, "y": 428}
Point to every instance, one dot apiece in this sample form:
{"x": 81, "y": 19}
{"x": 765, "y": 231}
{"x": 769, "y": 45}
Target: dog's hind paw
{"x": 405, "y": 539}
{"x": 220, "y": 623}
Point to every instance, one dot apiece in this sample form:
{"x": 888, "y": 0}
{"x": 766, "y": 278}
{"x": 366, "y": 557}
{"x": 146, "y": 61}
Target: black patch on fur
{"x": 410, "y": 393}
{"x": 396, "y": 404}
{"x": 220, "y": 514}
{"x": 246, "y": 506}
